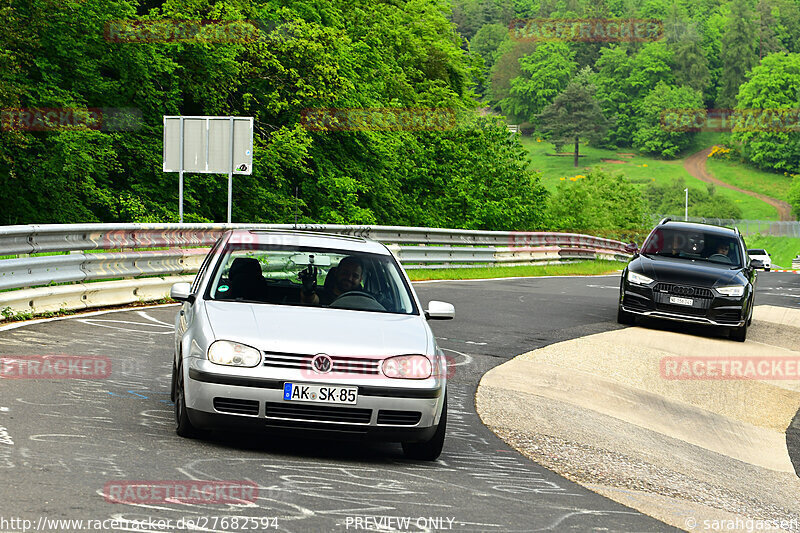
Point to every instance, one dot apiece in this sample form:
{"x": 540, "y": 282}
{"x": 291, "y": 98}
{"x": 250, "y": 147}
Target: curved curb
{"x": 597, "y": 411}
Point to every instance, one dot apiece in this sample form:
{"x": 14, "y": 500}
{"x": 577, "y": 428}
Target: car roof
{"x": 303, "y": 238}
{"x": 698, "y": 226}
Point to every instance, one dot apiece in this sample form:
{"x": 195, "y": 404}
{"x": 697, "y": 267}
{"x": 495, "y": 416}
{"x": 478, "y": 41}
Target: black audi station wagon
{"x": 691, "y": 273}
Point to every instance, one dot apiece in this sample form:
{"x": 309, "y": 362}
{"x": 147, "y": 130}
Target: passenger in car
{"x": 246, "y": 280}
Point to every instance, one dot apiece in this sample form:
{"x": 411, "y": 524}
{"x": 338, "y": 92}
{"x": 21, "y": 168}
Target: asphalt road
{"x": 62, "y": 441}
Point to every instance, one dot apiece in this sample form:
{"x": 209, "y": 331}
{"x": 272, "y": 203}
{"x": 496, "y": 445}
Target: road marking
{"x": 153, "y": 319}
{"x": 467, "y": 358}
{"x": 78, "y": 316}
{"x": 5, "y": 437}
{"x": 102, "y": 323}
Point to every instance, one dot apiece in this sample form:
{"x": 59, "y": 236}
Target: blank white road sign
{"x": 207, "y": 143}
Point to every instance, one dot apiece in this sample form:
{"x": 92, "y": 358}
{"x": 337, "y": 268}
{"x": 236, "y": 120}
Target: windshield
{"x": 757, "y": 252}
{"x": 311, "y": 277}
{"x": 694, "y": 245}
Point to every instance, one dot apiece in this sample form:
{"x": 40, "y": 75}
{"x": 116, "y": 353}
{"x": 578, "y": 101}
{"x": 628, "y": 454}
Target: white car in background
{"x": 761, "y": 255}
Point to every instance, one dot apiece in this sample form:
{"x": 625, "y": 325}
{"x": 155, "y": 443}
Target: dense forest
{"x": 405, "y": 54}
{"x": 738, "y": 55}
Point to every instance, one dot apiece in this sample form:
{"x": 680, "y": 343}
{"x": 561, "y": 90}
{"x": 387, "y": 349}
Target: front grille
{"x": 236, "y": 406}
{"x": 318, "y": 413}
{"x": 399, "y": 418}
{"x": 341, "y": 364}
{"x": 684, "y": 290}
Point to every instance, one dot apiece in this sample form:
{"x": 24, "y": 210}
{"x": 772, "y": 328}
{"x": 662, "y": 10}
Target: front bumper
{"x": 217, "y": 400}
{"x": 708, "y": 307}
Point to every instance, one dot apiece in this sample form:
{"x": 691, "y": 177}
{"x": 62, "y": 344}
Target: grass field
{"x": 781, "y": 249}
{"x": 581, "y": 268}
{"x": 639, "y": 168}
{"x": 750, "y": 178}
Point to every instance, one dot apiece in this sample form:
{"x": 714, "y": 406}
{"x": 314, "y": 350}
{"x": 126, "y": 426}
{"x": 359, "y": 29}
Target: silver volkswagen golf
{"x": 308, "y": 333}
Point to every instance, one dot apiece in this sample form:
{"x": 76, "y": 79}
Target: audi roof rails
{"x": 664, "y": 220}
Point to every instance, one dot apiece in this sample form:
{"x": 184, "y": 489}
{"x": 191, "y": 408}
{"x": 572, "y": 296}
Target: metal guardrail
{"x": 96, "y": 252}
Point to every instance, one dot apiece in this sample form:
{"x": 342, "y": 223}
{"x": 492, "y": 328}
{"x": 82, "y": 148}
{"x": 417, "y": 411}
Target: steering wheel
{"x": 360, "y": 294}
{"x": 721, "y": 258}
{"x": 356, "y": 293}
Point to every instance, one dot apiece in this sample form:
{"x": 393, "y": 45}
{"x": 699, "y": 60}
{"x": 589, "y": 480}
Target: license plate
{"x": 680, "y": 301}
{"x": 306, "y": 392}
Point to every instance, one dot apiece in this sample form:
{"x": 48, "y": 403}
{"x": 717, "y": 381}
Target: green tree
{"x": 470, "y": 15}
{"x": 574, "y": 115}
{"x": 545, "y": 73}
{"x": 655, "y": 135}
{"x": 487, "y": 41}
{"x": 669, "y": 199}
{"x": 623, "y": 82}
{"x": 506, "y": 67}
{"x": 598, "y": 201}
{"x": 772, "y": 86}
{"x": 683, "y": 40}
{"x": 768, "y": 41}
{"x": 738, "y": 51}
{"x": 794, "y": 195}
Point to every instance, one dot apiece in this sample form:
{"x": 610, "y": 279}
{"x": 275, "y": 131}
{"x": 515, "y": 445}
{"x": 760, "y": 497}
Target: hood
{"x": 686, "y": 271}
{"x": 310, "y": 330}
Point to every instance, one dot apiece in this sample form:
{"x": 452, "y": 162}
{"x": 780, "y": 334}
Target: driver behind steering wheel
{"x": 347, "y": 277}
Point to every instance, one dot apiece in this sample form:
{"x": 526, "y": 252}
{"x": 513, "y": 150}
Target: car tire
{"x": 766, "y": 269}
{"x": 183, "y": 426}
{"x": 174, "y": 382}
{"x": 431, "y": 449}
{"x": 739, "y": 334}
{"x": 625, "y": 318}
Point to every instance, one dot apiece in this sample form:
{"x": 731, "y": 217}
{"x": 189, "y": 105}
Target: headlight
{"x": 638, "y": 279}
{"x": 407, "y": 367}
{"x": 233, "y": 354}
{"x": 731, "y": 290}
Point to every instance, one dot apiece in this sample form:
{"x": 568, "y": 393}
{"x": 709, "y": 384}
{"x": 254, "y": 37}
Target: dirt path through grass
{"x": 695, "y": 165}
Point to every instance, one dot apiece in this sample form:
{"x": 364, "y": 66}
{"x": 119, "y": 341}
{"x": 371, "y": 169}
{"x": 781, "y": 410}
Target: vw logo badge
{"x": 321, "y": 363}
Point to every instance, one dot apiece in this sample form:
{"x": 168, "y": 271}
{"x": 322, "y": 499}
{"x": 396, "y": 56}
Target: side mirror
{"x": 632, "y": 248}
{"x": 440, "y": 311}
{"x": 182, "y": 292}
{"x": 756, "y": 263}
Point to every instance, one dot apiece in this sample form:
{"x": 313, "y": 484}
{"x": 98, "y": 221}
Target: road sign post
{"x": 208, "y": 145}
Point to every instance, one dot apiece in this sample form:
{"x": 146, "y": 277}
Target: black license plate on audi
{"x": 307, "y": 392}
